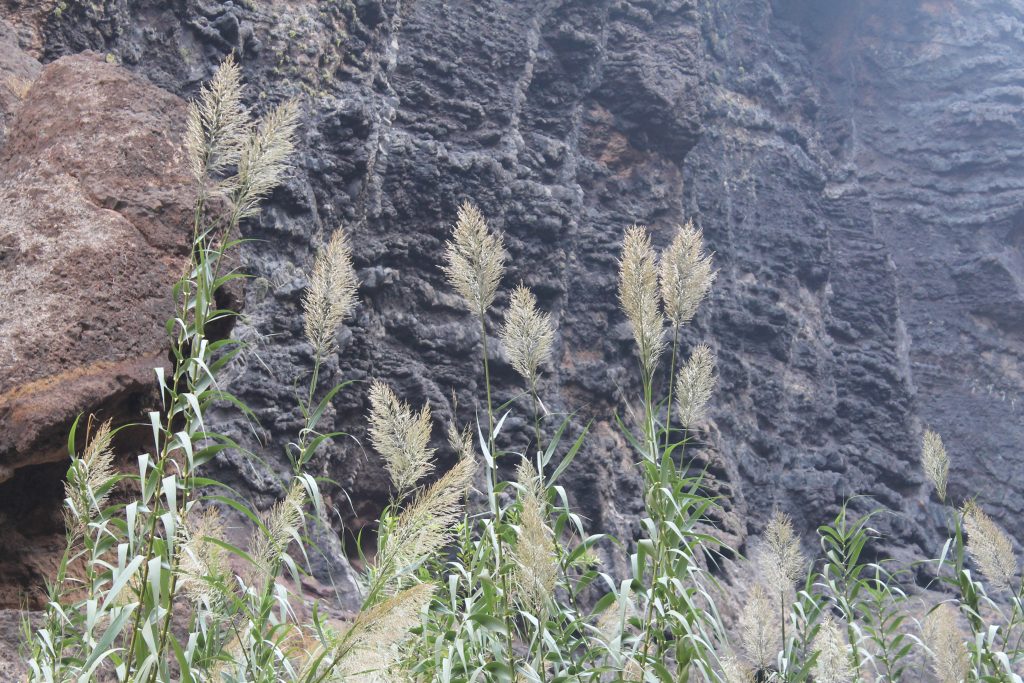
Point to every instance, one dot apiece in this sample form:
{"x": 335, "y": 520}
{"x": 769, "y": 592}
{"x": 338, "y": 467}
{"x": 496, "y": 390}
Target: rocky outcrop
{"x": 94, "y": 204}
{"x": 855, "y": 167}
{"x": 17, "y": 72}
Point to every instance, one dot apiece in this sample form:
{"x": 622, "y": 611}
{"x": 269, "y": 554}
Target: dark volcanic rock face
{"x": 855, "y": 167}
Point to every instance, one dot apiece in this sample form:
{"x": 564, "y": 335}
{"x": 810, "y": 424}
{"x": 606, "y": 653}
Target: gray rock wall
{"x": 855, "y": 167}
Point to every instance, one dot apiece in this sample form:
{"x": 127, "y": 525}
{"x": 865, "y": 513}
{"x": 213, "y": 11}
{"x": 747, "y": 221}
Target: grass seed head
{"x": 88, "y": 484}
{"x": 947, "y": 652}
{"x": 475, "y": 260}
{"x": 461, "y": 441}
{"x": 833, "y": 663}
{"x": 203, "y": 564}
{"x": 990, "y": 548}
{"x": 536, "y": 562}
{"x": 734, "y": 671}
{"x": 331, "y": 294}
{"x": 217, "y": 124}
{"x": 935, "y": 462}
{"x": 527, "y": 334}
{"x": 264, "y": 159}
{"x": 614, "y": 621}
{"x": 686, "y": 275}
{"x": 427, "y": 524}
{"x": 759, "y": 633}
{"x": 400, "y": 436}
{"x": 782, "y": 561}
{"x": 370, "y": 646}
{"x": 695, "y": 383}
{"x": 282, "y": 527}
{"x": 638, "y": 295}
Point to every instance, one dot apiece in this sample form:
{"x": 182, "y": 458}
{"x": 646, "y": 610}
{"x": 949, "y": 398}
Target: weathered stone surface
{"x": 18, "y": 70}
{"x": 855, "y": 166}
{"x": 12, "y": 668}
{"x": 94, "y": 202}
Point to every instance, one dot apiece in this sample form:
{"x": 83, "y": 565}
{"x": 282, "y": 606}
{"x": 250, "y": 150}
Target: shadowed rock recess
{"x": 858, "y": 168}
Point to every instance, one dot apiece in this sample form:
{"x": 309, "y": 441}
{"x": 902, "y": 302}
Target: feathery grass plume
{"x": 733, "y": 671}
{"x": 782, "y": 561}
{"x": 935, "y": 462}
{"x": 759, "y": 633}
{"x": 400, "y": 436}
{"x": 282, "y": 527}
{"x": 833, "y": 663}
{"x": 475, "y": 259}
{"x": 217, "y": 124}
{"x": 611, "y": 624}
{"x": 638, "y": 295}
{"x": 370, "y": 644}
{"x": 694, "y": 385}
{"x": 536, "y": 563}
{"x": 427, "y": 524}
{"x": 88, "y": 483}
{"x": 331, "y": 294}
{"x": 686, "y": 275}
{"x": 632, "y": 672}
{"x": 202, "y": 562}
{"x": 461, "y": 442}
{"x": 990, "y": 548}
{"x": 527, "y": 334}
{"x": 264, "y": 158}
{"x": 948, "y": 654}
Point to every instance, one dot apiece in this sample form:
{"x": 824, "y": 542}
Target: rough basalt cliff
{"x": 857, "y": 167}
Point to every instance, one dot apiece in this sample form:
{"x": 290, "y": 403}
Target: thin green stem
{"x": 782, "y": 621}
{"x": 671, "y": 386}
{"x": 487, "y": 385}
{"x": 496, "y": 511}
{"x": 536, "y": 422}
{"x": 652, "y": 501}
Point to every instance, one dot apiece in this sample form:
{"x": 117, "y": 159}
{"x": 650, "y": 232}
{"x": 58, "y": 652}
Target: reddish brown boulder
{"x": 94, "y": 207}
{"x": 18, "y": 70}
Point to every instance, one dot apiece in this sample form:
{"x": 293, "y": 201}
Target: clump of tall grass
{"x": 151, "y": 589}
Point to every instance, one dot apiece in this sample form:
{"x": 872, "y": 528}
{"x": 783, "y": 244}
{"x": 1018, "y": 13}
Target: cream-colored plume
{"x": 638, "y": 295}
{"x": 461, "y": 442}
{"x": 734, "y": 671}
{"x": 217, "y": 124}
{"x": 781, "y": 559}
{"x": 263, "y": 159}
{"x": 282, "y": 527}
{"x": 990, "y": 548}
{"x": 949, "y": 658}
{"x": 694, "y": 386}
{"x": 614, "y": 620}
{"x": 527, "y": 334}
{"x": 371, "y": 646}
{"x": 87, "y": 487}
{"x": 686, "y": 275}
{"x": 536, "y": 563}
{"x": 427, "y": 524}
{"x": 833, "y": 663}
{"x": 331, "y": 294}
{"x": 935, "y": 462}
{"x": 475, "y": 260}
{"x": 759, "y": 633}
{"x": 203, "y": 570}
{"x": 400, "y": 436}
